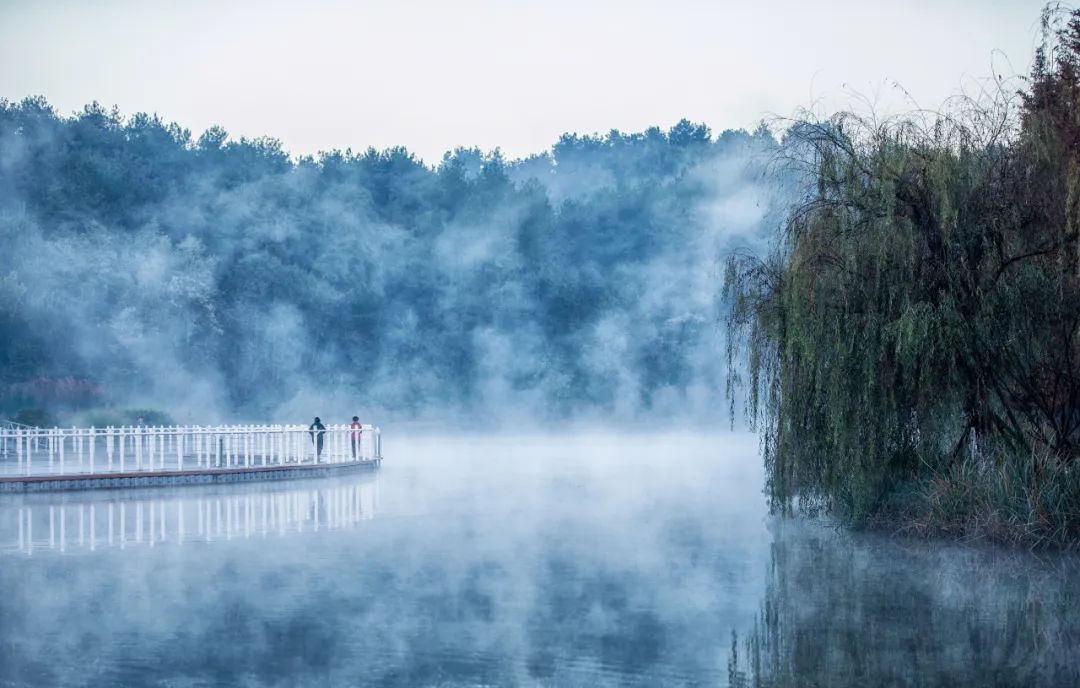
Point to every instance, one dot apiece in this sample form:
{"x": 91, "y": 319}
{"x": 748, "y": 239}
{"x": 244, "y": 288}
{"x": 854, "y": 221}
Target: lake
{"x": 594, "y": 559}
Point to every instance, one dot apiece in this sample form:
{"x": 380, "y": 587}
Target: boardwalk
{"x": 73, "y": 458}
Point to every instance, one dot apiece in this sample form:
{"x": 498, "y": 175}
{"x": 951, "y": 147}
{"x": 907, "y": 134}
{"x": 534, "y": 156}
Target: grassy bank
{"x": 913, "y": 340}
{"x": 1028, "y": 500}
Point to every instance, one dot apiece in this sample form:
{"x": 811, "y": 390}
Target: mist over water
{"x": 553, "y": 558}
{"x": 216, "y": 279}
{"x": 844, "y": 609}
{"x": 211, "y": 280}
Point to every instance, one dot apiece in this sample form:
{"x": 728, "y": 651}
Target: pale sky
{"x": 433, "y": 75}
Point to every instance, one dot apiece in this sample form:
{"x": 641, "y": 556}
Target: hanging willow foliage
{"x": 922, "y": 306}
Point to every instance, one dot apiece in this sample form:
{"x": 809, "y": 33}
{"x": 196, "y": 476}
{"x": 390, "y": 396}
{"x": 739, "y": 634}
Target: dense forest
{"x": 214, "y": 278}
{"x": 913, "y": 340}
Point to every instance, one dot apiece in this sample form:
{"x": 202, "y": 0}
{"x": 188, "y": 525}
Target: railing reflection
{"x": 146, "y": 519}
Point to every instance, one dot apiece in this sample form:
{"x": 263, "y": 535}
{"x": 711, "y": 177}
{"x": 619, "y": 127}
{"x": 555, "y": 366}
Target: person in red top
{"x": 357, "y": 430}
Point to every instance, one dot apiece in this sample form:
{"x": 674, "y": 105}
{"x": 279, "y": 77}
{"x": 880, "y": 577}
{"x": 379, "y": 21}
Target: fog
{"x": 141, "y": 265}
{"x": 559, "y": 558}
{"x": 493, "y": 560}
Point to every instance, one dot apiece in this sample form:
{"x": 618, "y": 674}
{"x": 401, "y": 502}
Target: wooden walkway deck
{"x": 199, "y": 476}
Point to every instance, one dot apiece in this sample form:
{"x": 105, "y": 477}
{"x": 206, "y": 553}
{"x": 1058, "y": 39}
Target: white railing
{"x": 128, "y": 449}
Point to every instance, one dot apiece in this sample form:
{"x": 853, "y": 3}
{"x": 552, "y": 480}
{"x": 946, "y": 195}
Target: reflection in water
{"x": 856, "y": 610}
{"x": 497, "y": 561}
{"x": 154, "y": 517}
{"x": 538, "y": 561}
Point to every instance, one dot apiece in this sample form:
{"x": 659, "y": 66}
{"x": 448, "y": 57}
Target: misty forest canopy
{"x": 216, "y": 277}
{"x": 914, "y": 339}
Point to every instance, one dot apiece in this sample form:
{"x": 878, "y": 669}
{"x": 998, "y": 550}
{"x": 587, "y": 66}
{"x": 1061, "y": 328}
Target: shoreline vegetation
{"x": 909, "y": 348}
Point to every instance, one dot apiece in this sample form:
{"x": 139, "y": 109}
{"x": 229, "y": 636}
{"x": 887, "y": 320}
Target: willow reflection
{"x": 843, "y": 609}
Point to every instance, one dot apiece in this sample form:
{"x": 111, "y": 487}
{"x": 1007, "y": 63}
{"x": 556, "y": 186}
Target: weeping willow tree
{"x": 916, "y": 324}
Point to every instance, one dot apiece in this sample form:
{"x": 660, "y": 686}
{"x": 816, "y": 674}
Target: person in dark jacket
{"x": 317, "y": 430}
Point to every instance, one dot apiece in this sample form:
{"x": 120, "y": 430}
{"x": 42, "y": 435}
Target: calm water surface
{"x": 591, "y": 561}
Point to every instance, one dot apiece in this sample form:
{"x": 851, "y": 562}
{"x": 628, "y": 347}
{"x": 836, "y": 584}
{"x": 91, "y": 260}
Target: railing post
{"x": 109, "y": 445}
{"x": 328, "y": 443}
{"x": 275, "y": 446}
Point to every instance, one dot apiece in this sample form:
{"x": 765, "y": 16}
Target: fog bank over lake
{"x": 542, "y": 559}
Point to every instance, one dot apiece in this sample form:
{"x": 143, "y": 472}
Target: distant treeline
{"x": 914, "y": 340}
{"x": 208, "y": 276}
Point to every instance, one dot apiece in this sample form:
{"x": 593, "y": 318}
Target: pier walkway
{"x": 34, "y": 459}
